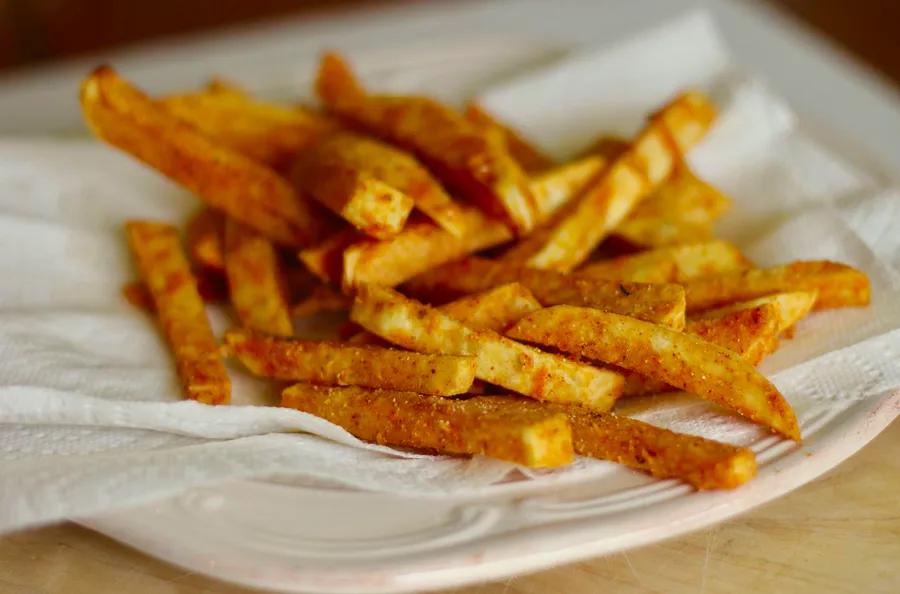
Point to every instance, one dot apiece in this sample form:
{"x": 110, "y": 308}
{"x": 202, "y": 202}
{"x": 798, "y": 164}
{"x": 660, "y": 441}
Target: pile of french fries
{"x": 500, "y": 304}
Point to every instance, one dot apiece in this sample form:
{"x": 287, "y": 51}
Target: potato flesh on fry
{"x": 605, "y": 203}
{"x": 495, "y": 309}
{"x": 659, "y": 303}
{"x": 790, "y": 307}
{"x": 166, "y": 274}
{"x": 501, "y": 361}
{"x": 249, "y": 192}
{"x": 255, "y": 281}
{"x": 204, "y": 236}
{"x": 679, "y": 359}
{"x": 333, "y": 363}
{"x": 476, "y": 163}
{"x": 837, "y": 285}
{"x": 528, "y": 156}
{"x": 534, "y": 438}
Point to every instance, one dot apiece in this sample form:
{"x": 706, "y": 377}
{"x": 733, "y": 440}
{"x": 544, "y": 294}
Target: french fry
{"x": 249, "y": 192}
{"x": 554, "y": 187}
{"x": 204, "y": 236}
{"x": 528, "y": 156}
{"x": 136, "y": 294}
{"x": 211, "y": 286}
{"x": 702, "y": 463}
{"x": 326, "y": 259}
{"x": 530, "y": 437}
{"x": 322, "y": 299}
{"x": 495, "y": 309}
{"x": 789, "y": 307}
{"x": 389, "y": 262}
{"x": 255, "y": 281}
{"x": 265, "y": 132}
{"x": 352, "y": 176}
{"x": 658, "y": 303}
{"x": 476, "y": 163}
{"x": 166, "y": 274}
{"x": 674, "y": 264}
{"x": 501, "y": 361}
{"x": 332, "y": 363}
{"x": 837, "y": 285}
{"x": 605, "y": 203}
{"x": 750, "y": 332}
{"x": 679, "y": 359}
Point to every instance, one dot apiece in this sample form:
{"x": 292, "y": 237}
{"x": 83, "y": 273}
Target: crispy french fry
{"x": 606, "y": 202}
{"x": 136, "y": 294}
{"x": 204, "y": 236}
{"x": 322, "y": 299}
{"x": 530, "y": 437}
{"x": 166, "y": 274}
{"x": 352, "y": 175}
{"x": 659, "y": 303}
{"x": 790, "y": 307}
{"x": 750, "y": 332}
{"x": 476, "y": 163}
{"x": 837, "y": 285}
{"x": 679, "y": 359}
{"x": 255, "y": 281}
{"x": 265, "y": 132}
{"x": 554, "y": 187}
{"x": 702, "y": 463}
{"x": 126, "y": 118}
{"x": 326, "y": 259}
{"x": 495, "y": 309}
{"x": 390, "y": 262}
{"x": 528, "y": 156}
{"x": 333, "y": 363}
{"x": 501, "y": 361}
{"x": 212, "y": 287}
{"x": 674, "y": 264}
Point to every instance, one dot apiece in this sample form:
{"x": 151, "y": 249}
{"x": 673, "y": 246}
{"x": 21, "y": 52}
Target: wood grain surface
{"x": 838, "y": 534}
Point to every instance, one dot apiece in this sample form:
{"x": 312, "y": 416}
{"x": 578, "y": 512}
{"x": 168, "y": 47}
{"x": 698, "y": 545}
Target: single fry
{"x": 204, "y": 237}
{"x": 249, "y": 192}
{"x": 789, "y": 307}
{"x": 326, "y": 259}
{"x": 255, "y": 281}
{"x": 751, "y": 332}
{"x": 419, "y": 247}
{"x": 495, "y": 309}
{"x": 553, "y": 188}
{"x": 476, "y": 163}
{"x": 347, "y": 173}
{"x": 660, "y": 303}
{"x": 211, "y": 286}
{"x": 674, "y": 264}
{"x": 528, "y": 156}
{"x": 530, "y": 437}
{"x": 501, "y": 361}
{"x": 322, "y": 299}
{"x": 332, "y": 363}
{"x": 166, "y": 274}
{"x": 599, "y": 209}
{"x": 679, "y": 359}
{"x": 837, "y": 285}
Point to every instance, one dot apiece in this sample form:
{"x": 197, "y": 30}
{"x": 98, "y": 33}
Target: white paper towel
{"x": 91, "y": 416}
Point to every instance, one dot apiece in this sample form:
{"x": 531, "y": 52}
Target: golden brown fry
{"x": 659, "y": 303}
{"x": 531, "y": 437}
{"x": 679, "y": 359}
{"x": 136, "y": 294}
{"x": 674, "y": 264}
{"x": 247, "y": 191}
{"x": 476, "y": 163}
{"x": 837, "y": 285}
{"x": 255, "y": 281}
{"x": 789, "y": 307}
{"x": 204, "y": 236}
{"x": 419, "y": 247}
{"x": 495, "y": 309}
{"x": 165, "y": 272}
{"x": 326, "y": 259}
{"x": 750, "y": 332}
{"x": 333, "y": 363}
{"x": 605, "y": 203}
{"x": 501, "y": 361}
{"x": 212, "y": 287}
{"x": 554, "y": 187}
{"x": 322, "y": 299}
{"x": 528, "y": 156}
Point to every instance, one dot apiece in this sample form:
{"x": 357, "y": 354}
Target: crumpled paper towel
{"x": 91, "y": 416}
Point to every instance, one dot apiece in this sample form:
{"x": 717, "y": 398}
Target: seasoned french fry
{"x": 501, "y": 361}
{"x": 333, "y": 363}
{"x": 679, "y": 359}
{"x": 389, "y": 262}
{"x": 530, "y": 437}
{"x": 674, "y": 264}
{"x": 702, "y": 463}
{"x": 476, "y": 163}
{"x": 663, "y": 304}
{"x": 211, "y": 286}
{"x": 528, "y": 156}
{"x": 837, "y": 285}
{"x": 790, "y": 307}
{"x": 136, "y": 294}
{"x": 326, "y": 259}
{"x": 322, "y": 298}
{"x": 750, "y": 332}
{"x": 247, "y": 191}
{"x": 495, "y": 309}
{"x": 166, "y": 274}
{"x": 204, "y": 236}
{"x": 554, "y": 187}
{"x": 600, "y": 208}
{"x": 255, "y": 281}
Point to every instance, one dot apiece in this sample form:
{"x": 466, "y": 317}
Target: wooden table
{"x": 840, "y": 533}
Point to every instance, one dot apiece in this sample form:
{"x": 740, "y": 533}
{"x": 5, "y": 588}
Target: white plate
{"x": 288, "y": 537}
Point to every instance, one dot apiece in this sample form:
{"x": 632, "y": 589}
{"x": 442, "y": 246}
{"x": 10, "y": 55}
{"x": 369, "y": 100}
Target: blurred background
{"x": 41, "y": 31}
